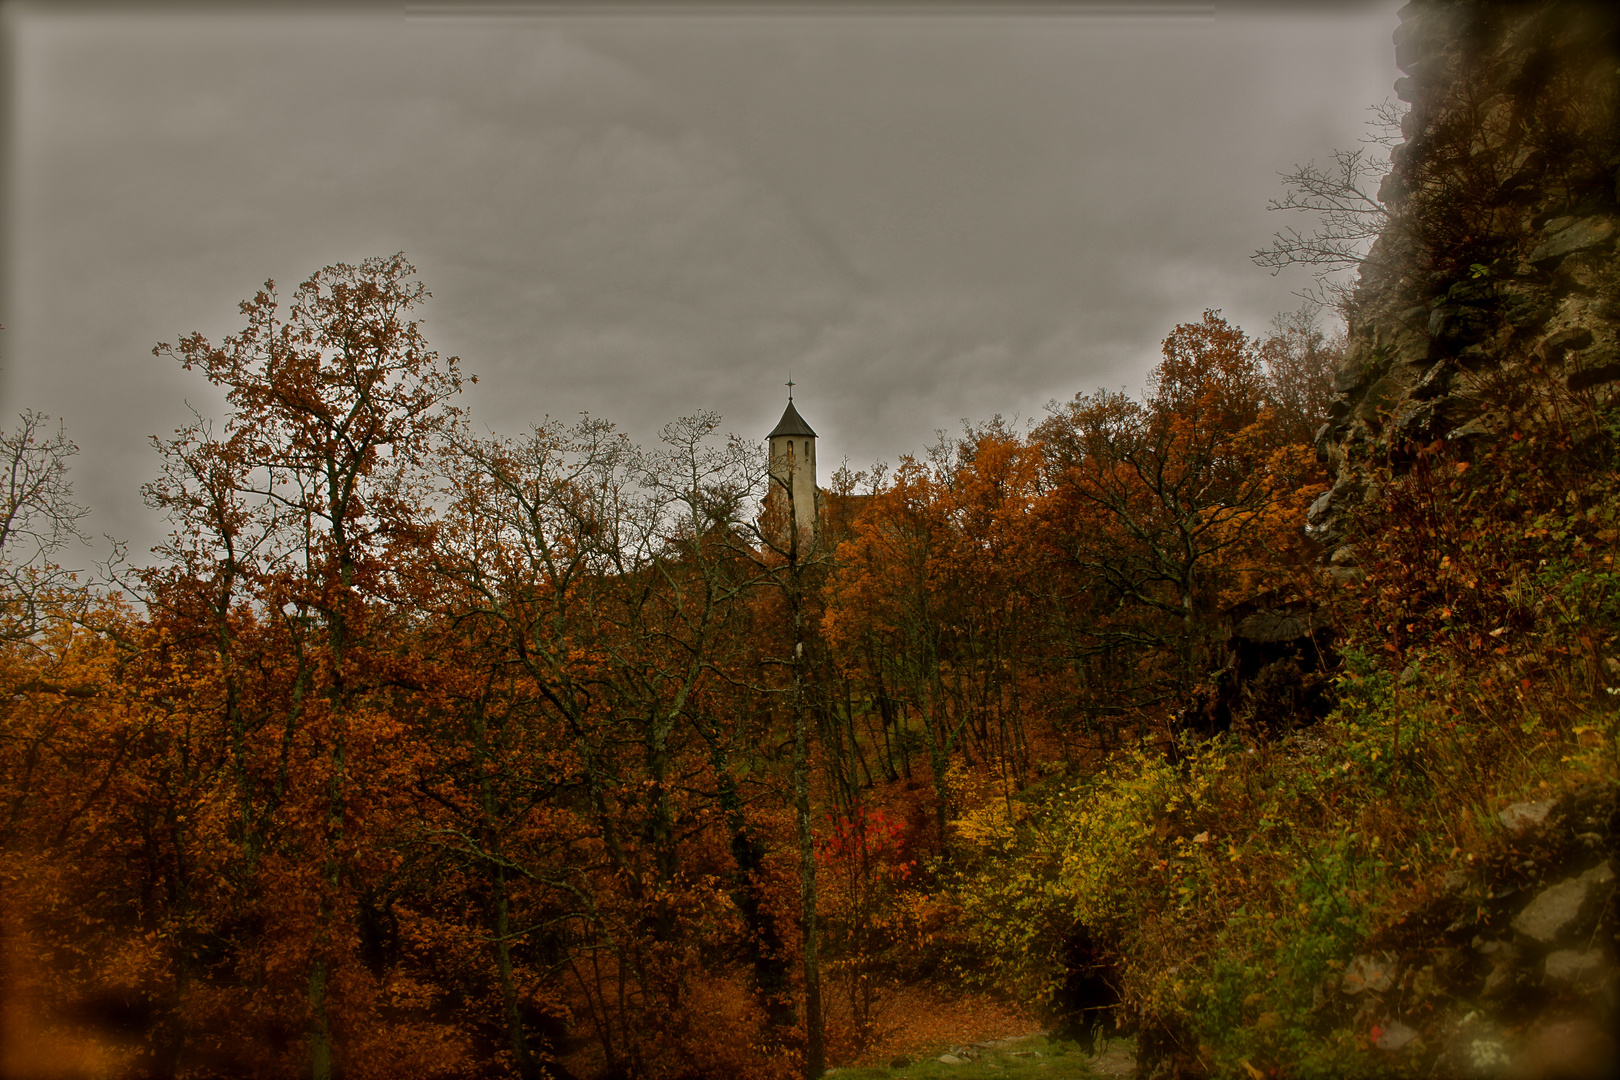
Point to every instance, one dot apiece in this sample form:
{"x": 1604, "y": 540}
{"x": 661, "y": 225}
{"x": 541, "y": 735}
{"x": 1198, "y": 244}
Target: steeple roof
{"x": 791, "y": 424}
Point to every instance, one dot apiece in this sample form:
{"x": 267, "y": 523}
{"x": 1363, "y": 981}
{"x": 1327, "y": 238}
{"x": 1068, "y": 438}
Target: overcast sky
{"x": 930, "y": 213}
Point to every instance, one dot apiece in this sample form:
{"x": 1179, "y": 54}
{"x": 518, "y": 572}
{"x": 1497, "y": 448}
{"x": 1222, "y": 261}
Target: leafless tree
{"x": 1343, "y": 197}
{"x": 38, "y": 518}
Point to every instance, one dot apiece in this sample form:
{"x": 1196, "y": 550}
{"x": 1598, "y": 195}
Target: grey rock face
{"x": 1567, "y": 235}
{"x": 1325, "y": 518}
{"x": 1526, "y": 306}
{"x": 1450, "y": 315}
{"x": 1570, "y": 338}
{"x": 1352, "y": 374}
{"x": 1475, "y": 428}
{"x": 1413, "y": 420}
{"x": 1435, "y": 381}
{"x": 1380, "y": 399}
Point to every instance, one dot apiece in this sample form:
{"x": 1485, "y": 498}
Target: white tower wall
{"x": 792, "y": 447}
{"x": 793, "y": 464}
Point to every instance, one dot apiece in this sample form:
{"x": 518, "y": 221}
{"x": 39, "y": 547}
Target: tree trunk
{"x": 764, "y": 939}
{"x": 814, "y": 1049}
{"x": 320, "y": 1035}
{"x": 503, "y": 964}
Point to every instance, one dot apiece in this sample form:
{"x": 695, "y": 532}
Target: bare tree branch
{"x": 1343, "y": 198}
{"x": 38, "y": 518}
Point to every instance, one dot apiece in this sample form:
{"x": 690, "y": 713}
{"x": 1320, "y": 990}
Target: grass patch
{"x": 1028, "y": 1058}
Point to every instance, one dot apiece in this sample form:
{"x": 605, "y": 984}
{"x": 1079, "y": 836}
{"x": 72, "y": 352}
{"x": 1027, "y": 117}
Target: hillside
{"x": 1195, "y": 732}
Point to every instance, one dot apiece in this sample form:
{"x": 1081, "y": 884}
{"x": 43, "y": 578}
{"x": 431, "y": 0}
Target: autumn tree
{"x": 106, "y": 791}
{"x": 883, "y": 618}
{"x": 441, "y": 753}
{"x": 1161, "y": 495}
{"x": 927, "y": 625}
{"x": 789, "y": 541}
{"x": 617, "y": 583}
{"x": 926, "y": 605}
{"x": 332, "y": 406}
{"x": 1300, "y": 360}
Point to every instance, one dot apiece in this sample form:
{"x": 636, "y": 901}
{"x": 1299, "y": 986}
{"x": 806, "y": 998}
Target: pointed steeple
{"x": 791, "y": 424}
{"x": 793, "y": 467}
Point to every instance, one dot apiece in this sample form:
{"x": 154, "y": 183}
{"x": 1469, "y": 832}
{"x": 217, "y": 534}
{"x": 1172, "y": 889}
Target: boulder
{"x": 1527, "y": 306}
{"x": 1523, "y": 816}
{"x": 1394, "y": 1035}
{"x": 1343, "y": 576}
{"x": 1324, "y": 519}
{"x": 1479, "y": 427}
{"x": 1352, "y": 374}
{"x": 1379, "y": 399}
{"x": 1574, "y": 338}
{"x": 1503, "y": 977}
{"x": 1560, "y": 911}
{"x": 1412, "y": 421}
{"x": 1270, "y": 627}
{"x": 1576, "y": 968}
{"x": 1369, "y": 972}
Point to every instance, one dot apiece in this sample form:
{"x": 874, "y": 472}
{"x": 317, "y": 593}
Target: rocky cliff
{"x": 1495, "y": 288}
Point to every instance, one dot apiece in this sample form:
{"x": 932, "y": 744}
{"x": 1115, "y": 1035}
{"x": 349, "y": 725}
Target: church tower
{"x": 793, "y": 466}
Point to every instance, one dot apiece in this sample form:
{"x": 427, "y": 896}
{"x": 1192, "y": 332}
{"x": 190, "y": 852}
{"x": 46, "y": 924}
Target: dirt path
{"x": 914, "y": 1019}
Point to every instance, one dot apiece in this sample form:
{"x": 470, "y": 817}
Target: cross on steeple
{"x": 790, "y": 385}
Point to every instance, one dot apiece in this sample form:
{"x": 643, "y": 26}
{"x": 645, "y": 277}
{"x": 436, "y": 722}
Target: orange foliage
{"x": 432, "y": 755}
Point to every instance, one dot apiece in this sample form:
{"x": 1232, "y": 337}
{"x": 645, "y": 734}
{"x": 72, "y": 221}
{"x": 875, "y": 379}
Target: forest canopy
{"x": 556, "y": 752}
{"x": 1266, "y": 719}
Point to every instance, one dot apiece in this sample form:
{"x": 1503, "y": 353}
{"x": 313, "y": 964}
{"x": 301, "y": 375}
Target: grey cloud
{"x": 927, "y": 217}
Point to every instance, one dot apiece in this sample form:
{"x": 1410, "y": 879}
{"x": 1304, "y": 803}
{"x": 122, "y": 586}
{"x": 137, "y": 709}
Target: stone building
{"x": 793, "y": 470}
